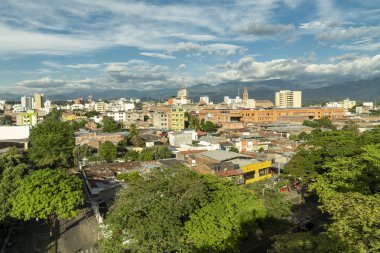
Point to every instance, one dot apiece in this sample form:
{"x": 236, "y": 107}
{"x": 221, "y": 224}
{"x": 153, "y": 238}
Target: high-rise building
{"x": 27, "y": 103}
{"x": 288, "y": 99}
{"x": 38, "y": 101}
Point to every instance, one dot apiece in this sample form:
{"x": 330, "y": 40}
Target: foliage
{"x": 234, "y": 149}
{"x": 134, "y": 136}
{"x": 52, "y": 143}
{"x": 129, "y": 177}
{"x": 107, "y": 151}
{"x": 138, "y": 105}
{"x": 320, "y": 123}
{"x": 80, "y": 152}
{"x": 111, "y": 126}
{"x": 12, "y": 170}
{"x": 275, "y": 202}
{"x": 220, "y": 224}
{"x": 55, "y": 115}
{"x": 5, "y": 120}
{"x": 351, "y": 126}
{"x": 131, "y": 155}
{"x": 91, "y": 114}
{"x": 47, "y": 194}
{"x": 196, "y": 124}
{"x": 77, "y": 125}
{"x": 166, "y": 210}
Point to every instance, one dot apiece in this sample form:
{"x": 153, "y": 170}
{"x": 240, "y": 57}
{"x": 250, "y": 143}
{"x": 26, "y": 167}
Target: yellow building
{"x": 38, "y": 101}
{"x": 176, "y": 119}
{"x": 254, "y": 170}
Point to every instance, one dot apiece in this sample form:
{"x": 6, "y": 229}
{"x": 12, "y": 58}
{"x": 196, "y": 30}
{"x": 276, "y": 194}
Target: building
{"x": 101, "y": 107}
{"x": 2, "y": 104}
{"x": 178, "y": 139}
{"x": 160, "y": 120}
{"x": 205, "y": 100}
{"x": 225, "y": 117}
{"x": 288, "y": 99}
{"x": 14, "y": 136}
{"x": 176, "y": 119}
{"x": 238, "y": 167}
{"x": 38, "y": 101}
{"x": 94, "y": 139}
{"x": 133, "y": 117}
{"x": 29, "y": 118}
{"x": 27, "y": 103}
{"x": 346, "y": 104}
{"x": 264, "y": 103}
{"x": 182, "y": 93}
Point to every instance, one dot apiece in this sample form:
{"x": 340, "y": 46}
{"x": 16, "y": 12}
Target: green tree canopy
{"x": 111, "y": 126}
{"x": 12, "y": 170}
{"x": 52, "y": 143}
{"x": 107, "y": 151}
{"x": 80, "y": 152}
{"x": 177, "y": 210}
{"x": 47, "y": 194}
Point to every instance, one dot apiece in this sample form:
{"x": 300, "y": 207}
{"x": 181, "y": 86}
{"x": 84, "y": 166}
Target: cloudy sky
{"x": 62, "y": 45}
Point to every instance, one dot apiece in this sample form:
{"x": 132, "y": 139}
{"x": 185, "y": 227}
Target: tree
{"x": 12, "y": 170}
{"x": 80, "y": 152}
{"x": 6, "y": 120}
{"x": 134, "y": 136}
{"x": 47, "y": 194}
{"x": 351, "y": 126}
{"x": 162, "y": 212}
{"x": 131, "y": 155}
{"x": 208, "y": 126}
{"x": 91, "y": 114}
{"x": 320, "y": 123}
{"x": 220, "y": 224}
{"x": 111, "y": 126}
{"x": 129, "y": 177}
{"x": 107, "y": 151}
{"x": 52, "y": 143}
{"x": 234, "y": 149}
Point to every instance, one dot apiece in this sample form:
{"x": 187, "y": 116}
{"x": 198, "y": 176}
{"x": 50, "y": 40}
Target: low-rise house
{"x": 178, "y": 139}
{"x": 239, "y": 167}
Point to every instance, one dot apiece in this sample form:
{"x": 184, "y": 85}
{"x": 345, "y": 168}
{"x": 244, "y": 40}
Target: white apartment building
{"x": 204, "y": 100}
{"x": 161, "y": 120}
{"x": 2, "y": 104}
{"x": 288, "y": 99}
{"x": 27, "y": 103}
{"x": 346, "y": 104}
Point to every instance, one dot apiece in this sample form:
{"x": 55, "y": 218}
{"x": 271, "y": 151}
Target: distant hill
{"x": 359, "y": 90}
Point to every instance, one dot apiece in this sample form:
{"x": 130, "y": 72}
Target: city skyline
{"x": 80, "y": 44}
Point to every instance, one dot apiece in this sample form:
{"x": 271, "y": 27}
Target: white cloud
{"x": 158, "y": 55}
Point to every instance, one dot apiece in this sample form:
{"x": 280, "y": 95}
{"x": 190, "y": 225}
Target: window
{"x": 263, "y": 172}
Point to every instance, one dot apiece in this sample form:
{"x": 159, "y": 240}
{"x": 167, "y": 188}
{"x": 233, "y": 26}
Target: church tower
{"x": 245, "y": 94}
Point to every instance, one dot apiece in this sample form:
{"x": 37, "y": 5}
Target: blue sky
{"x": 62, "y": 45}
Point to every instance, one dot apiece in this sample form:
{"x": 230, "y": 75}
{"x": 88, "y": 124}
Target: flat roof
{"x": 8, "y": 133}
{"x": 222, "y": 155}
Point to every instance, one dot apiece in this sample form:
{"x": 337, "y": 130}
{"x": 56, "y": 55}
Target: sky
{"x": 59, "y": 46}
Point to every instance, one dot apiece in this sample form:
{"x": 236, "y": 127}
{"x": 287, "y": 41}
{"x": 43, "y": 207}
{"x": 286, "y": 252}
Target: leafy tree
{"x": 111, "y": 126}
{"x": 131, "y": 155}
{"x": 220, "y": 224}
{"x": 163, "y": 211}
{"x": 52, "y": 143}
{"x": 146, "y": 155}
{"x": 107, "y": 151}
{"x": 80, "y": 152}
{"x": 129, "y": 177}
{"x": 234, "y": 149}
{"x": 351, "y": 126}
{"x": 12, "y": 170}
{"x": 320, "y": 123}
{"x": 208, "y": 126}
{"x": 47, "y": 194}
{"x": 91, "y": 114}
{"x": 55, "y": 115}
{"x": 5, "y": 120}
{"x": 134, "y": 136}
{"x": 138, "y": 105}
{"x": 293, "y": 137}
{"x": 77, "y": 125}
{"x": 275, "y": 202}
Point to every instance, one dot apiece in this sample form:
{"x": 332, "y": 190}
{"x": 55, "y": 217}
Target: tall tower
{"x": 245, "y": 94}
{"x": 38, "y": 101}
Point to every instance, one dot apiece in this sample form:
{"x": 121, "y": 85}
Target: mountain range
{"x": 366, "y": 89}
